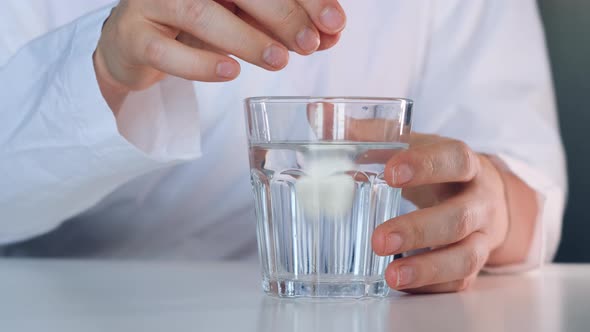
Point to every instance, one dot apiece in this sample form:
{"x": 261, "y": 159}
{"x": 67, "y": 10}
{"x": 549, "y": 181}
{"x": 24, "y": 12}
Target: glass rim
{"x": 335, "y": 99}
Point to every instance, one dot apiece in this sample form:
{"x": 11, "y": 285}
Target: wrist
{"x": 522, "y": 210}
{"x": 501, "y": 227}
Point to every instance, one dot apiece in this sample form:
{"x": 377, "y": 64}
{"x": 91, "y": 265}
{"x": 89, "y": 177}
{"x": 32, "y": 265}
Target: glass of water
{"x": 317, "y": 171}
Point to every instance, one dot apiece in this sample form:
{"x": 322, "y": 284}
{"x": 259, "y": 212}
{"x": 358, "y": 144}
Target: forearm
{"x": 62, "y": 150}
{"x": 522, "y": 216}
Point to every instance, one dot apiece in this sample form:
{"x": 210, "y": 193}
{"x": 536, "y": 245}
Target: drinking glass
{"x": 317, "y": 172}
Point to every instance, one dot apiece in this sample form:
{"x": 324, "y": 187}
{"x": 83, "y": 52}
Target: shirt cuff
{"x": 163, "y": 121}
{"x": 551, "y": 201}
{"x": 156, "y": 126}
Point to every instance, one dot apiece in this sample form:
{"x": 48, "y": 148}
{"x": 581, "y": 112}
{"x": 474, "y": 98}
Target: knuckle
{"x": 194, "y": 11}
{"x": 127, "y": 4}
{"x": 464, "y": 221}
{"x": 121, "y": 29}
{"x": 462, "y": 228}
{"x": 416, "y": 233}
{"x": 434, "y": 275}
{"x": 487, "y": 210}
{"x": 242, "y": 46}
{"x": 120, "y": 25}
{"x": 474, "y": 260}
{"x": 429, "y": 165}
{"x": 174, "y": 7}
{"x": 468, "y": 161}
{"x": 288, "y": 13}
{"x": 154, "y": 51}
{"x": 129, "y": 44}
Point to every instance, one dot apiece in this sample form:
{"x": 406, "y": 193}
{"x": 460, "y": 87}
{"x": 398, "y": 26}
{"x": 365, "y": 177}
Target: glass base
{"x": 327, "y": 289}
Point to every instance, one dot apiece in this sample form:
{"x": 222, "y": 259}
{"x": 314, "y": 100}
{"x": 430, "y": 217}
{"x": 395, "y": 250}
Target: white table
{"x": 129, "y": 296}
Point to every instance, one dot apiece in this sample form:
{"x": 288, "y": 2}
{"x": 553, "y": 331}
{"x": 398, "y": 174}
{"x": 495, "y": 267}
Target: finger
{"x": 244, "y": 16}
{"x": 190, "y": 40}
{"x": 327, "y": 15}
{"x": 445, "y": 162}
{"x": 230, "y": 5}
{"x": 455, "y": 262}
{"x": 287, "y": 20}
{"x": 321, "y": 117}
{"x": 193, "y": 42}
{"x": 258, "y": 157}
{"x": 213, "y": 24}
{"x": 328, "y": 41}
{"x": 373, "y": 130}
{"x": 175, "y": 58}
{"x": 418, "y": 139}
{"x": 444, "y": 224}
{"x": 447, "y": 287}
{"x": 377, "y": 156}
{"x": 430, "y": 195}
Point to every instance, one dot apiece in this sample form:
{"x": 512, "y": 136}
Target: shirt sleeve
{"x": 61, "y": 148}
{"x": 487, "y": 76}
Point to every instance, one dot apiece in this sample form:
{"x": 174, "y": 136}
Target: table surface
{"x": 132, "y": 296}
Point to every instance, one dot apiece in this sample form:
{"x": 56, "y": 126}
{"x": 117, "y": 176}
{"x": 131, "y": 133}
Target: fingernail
{"x": 332, "y": 19}
{"x": 308, "y": 40}
{"x": 405, "y": 276}
{"x": 226, "y": 69}
{"x": 275, "y": 56}
{"x": 393, "y": 243}
{"x": 402, "y": 174}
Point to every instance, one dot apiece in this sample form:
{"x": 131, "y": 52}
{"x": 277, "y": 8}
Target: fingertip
{"x": 332, "y": 19}
{"x": 378, "y": 242}
{"x": 401, "y": 174}
{"x": 228, "y": 69}
{"x": 328, "y": 41}
{"x": 388, "y": 172}
{"x": 391, "y": 276}
{"x": 400, "y": 171}
{"x": 276, "y": 57}
{"x": 239, "y": 69}
{"x": 308, "y": 40}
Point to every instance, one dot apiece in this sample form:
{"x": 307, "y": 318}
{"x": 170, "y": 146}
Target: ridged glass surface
{"x": 317, "y": 206}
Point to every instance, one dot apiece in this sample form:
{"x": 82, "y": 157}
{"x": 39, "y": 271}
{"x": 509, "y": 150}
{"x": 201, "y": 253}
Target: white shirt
{"x": 477, "y": 70}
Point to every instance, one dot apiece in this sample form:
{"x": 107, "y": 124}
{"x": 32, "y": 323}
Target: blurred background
{"x": 567, "y": 25}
